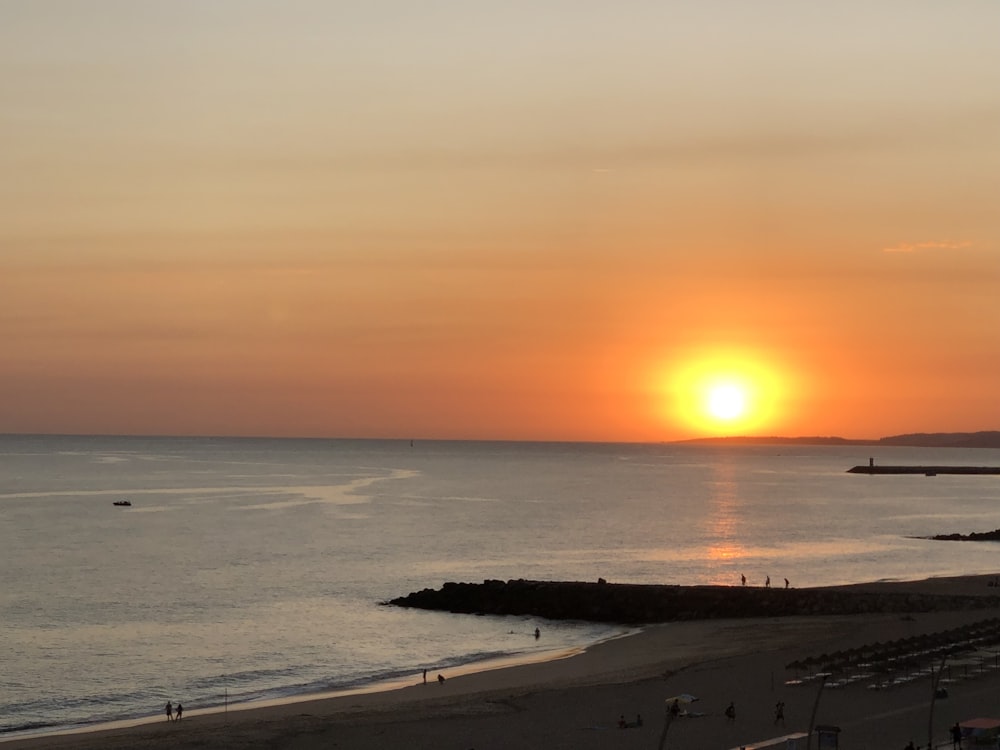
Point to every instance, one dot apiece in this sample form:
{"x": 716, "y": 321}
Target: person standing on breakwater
{"x": 767, "y": 582}
{"x": 743, "y": 580}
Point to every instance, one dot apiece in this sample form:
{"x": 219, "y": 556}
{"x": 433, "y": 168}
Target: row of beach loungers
{"x": 966, "y": 652}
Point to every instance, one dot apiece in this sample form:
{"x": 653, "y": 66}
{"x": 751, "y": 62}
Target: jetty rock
{"x": 634, "y": 604}
{"x": 975, "y": 536}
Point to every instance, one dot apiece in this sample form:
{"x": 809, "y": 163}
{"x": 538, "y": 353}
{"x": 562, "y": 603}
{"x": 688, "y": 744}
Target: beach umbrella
{"x": 668, "y": 715}
{"x": 682, "y": 698}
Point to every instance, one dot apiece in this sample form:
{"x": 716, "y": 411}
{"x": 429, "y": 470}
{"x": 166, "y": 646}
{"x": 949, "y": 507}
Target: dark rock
{"x": 642, "y": 603}
{"x": 975, "y": 536}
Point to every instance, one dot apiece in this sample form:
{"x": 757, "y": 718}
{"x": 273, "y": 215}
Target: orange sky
{"x": 498, "y": 220}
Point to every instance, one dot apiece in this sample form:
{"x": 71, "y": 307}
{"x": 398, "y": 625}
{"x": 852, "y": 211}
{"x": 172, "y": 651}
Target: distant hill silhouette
{"x": 776, "y": 440}
{"x": 988, "y": 439}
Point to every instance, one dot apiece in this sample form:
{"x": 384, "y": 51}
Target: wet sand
{"x": 576, "y": 702}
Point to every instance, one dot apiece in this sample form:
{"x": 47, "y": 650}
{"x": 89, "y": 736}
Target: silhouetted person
{"x": 170, "y": 711}
{"x": 621, "y": 722}
{"x": 538, "y": 634}
{"x": 731, "y": 711}
{"x": 767, "y": 582}
{"x": 956, "y": 736}
{"x": 180, "y": 712}
{"x": 786, "y": 583}
{"x": 743, "y": 580}
{"x": 779, "y": 712}
{"x": 440, "y": 679}
{"x": 425, "y": 676}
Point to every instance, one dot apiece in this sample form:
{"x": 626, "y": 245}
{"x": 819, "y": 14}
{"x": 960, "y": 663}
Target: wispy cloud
{"x": 912, "y": 247}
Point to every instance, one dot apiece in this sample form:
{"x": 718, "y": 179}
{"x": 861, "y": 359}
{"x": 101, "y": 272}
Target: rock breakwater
{"x": 975, "y": 536}
{"x": 634, "y": 604}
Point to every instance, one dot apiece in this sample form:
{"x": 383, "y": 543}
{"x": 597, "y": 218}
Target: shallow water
{"x": 255, "y": 569}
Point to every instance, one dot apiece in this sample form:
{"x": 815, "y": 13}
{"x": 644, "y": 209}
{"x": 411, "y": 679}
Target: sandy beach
{"x": 576, "y": 702}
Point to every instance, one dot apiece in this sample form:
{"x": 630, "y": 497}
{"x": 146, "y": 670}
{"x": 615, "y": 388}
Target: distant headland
{"x": 985, "y": 439}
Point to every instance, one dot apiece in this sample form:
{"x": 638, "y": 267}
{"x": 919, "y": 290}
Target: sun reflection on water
{"x": 722, "y": 524}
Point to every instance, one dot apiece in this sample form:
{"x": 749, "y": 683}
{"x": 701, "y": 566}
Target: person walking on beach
{"x": 179, "y": 712}
{"x": 170, "y": 711}
{"x": 425, "y": 676}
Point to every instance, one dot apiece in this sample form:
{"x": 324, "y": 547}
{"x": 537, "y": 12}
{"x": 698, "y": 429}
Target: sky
{"x": 545, "y": 220}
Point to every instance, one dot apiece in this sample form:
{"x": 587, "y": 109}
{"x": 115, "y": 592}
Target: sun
{"x": 726, "y": 401}
{"x": 724, "y": 392}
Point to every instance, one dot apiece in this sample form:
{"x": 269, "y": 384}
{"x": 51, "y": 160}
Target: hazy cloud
{"x": 912, "y": 247}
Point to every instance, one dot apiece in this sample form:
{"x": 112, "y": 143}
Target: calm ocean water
{"x": 254, "y": 569}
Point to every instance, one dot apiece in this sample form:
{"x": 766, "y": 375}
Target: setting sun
{"x": 727, "y": 401}
{"x": 725, "y": 393}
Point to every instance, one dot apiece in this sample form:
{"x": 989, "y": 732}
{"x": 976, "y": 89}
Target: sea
{"x": 258, "y": 570}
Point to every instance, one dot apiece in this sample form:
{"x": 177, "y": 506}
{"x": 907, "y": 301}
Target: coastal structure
{"x": 873, "y": 468}
{"x": 650, "y": 603}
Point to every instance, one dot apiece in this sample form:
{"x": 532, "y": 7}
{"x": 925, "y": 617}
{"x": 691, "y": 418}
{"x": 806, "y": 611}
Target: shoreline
{"x": 377, "y": 687}
{"x": 569, "y": 701}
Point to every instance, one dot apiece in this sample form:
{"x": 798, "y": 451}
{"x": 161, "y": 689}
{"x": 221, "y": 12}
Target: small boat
{"x": 123, "y": 503}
